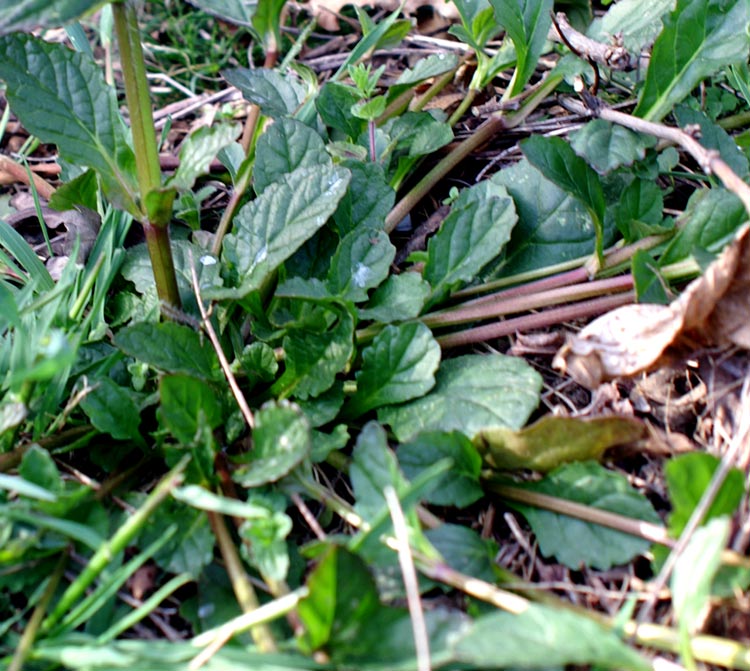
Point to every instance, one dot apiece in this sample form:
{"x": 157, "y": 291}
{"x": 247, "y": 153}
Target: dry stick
{"x": 534, "y": 321}
{"x": 18, "y": 173}
{"x": 615, "y": 57}
{"x": 206, "y": 322}
{"x": 409, "y": 573}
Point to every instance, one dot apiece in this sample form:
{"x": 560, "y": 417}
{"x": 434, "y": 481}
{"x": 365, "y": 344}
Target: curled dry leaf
{"x": 326, "y": 11}
{"x": 714, "y": 308}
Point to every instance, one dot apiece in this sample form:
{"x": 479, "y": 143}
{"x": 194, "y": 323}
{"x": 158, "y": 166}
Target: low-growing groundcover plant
{"x": 255, "y": 443}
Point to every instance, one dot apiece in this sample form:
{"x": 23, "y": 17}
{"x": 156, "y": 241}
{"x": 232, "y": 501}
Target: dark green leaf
{"x": 169, "y": 347}
{"x": 374, "y": 467}
{"x": 699, "y": 38}
{"x": 276, "y": 95}
{"x": 281, "y": 440}
{"x": 574, "y": 542}
{"x": 361, "y": 262}
{"x": 333, "y": 104}
{"x": 687, "y": 477}
{"x": 474, "y": 233}
{"x": 543, "y": 636}
{"x": 367, "y": 201}
{"x": 286, "y": 145}
{"x": 81, "y": 191}
{"x": 112, "y": 410}
{"x": 553, "y": 226}
{"x": 60, "y": 96}
{"x": 198, "y": 150}
{"x": 418, "y": 133}
{"x": 269, "y": 229}
{"x": 397, "y": 366}
{"x": 28, "y": 14}
{"x": 38, "y": 467}
{"x": 342, "y": 602}
{"x": 639, "y": 209}
{"x": 265, "y": 545}
{"x": 186, "y": 405}
{"x": 607, "y": 146}
{"x": 259, "y": 362}
{"x": 461, "y": 488}
{"x": 527, "y": 23}
{"x": 650, "y": 284}
{"x": 431, "y": 66}
{"x": 472, "y": 392}
{"x": 314, "y": 358}
{"x": 399, "y": 298}
{"x": 465, "y": 551}
{"x": 709, "y": 221}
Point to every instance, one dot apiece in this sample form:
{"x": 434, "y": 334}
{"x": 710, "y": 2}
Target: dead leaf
{"x": 326, "y": 11}
{"x": 714, "y": 308}
{"x": 553, "y": 441}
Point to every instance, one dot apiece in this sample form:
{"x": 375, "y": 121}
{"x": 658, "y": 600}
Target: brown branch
{"x": 615, "y": 57}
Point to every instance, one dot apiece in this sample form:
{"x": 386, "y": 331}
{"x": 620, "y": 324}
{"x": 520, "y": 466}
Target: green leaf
{"x": 464, "y": 550}
{"x": 23, "y": 253}
{"x": 461, "y": 488}
{"x": 553, "y": 226}
{"x": 239, "y": 12}
{"x": 425, "y": 68}
{"x": 60, "y": 96}
{"x": 342, "y": 602}
{"x": 367, "y": 201}
{"x": 397, "y": 366}
{"x": 713, "y": 136}
{"x": 198, "y": 150}
{"x": 399, "y": 298}
{"x": 699, "y": 38}
{"x": 23, "y": 487}
{"x": 83, "y": 190}
{"x": 29, "y": 14}
{"x": 650, "y": 284}
{"x": 361, "y": 262}
{"x": 313, "y": 359}
{"x": 276, "y": 95}
{"x": 639, "y": 209}
{"x": 281, "y": 440}
{"x": 38, "y": 467}
{"x": 687, "y": 476}
{"x": 639, "y": 23}
{"x": 527, "y": 23}
{"x": 269, "y": 229}
{"x": 418, "y": 133}
{"x": 607, "y": 146}
{"x": 374, "y": 467}
{"x": 188, "y": 404}
{"x": 286, "y": 145}
{"x": 472, "y": 392}
{"x": 333, "y": 104}
{"x": 574, "y": 542}
{"x": 474, "y": 233}
{"x": 694, "y": 573}
{"x": 112, "y": 410}
{"x": 170, "y": 347}
{"x": 708, "y": 223}
{"x": 552, "y": 441}
{"x": 265, "y": 546}
{"x": 542, "y": 637}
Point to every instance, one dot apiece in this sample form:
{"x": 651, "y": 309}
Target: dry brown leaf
{"x": 326, "y": 11}
{"x": 714, "y": 308}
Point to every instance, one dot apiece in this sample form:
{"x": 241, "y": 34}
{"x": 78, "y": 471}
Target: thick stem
{"x": 160, "y": 252}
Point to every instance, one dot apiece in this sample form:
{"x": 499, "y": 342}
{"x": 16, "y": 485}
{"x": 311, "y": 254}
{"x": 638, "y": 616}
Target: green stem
{"x": 148, "y": 170}
{"x": 461, "y": 109}
{"x": 483, "y": 134}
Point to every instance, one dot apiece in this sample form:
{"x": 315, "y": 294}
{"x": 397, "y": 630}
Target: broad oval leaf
{"x": 368, "y": 200}
{"x": 60, "y": 96}
{"x": 269, "y": 229}
{"x": 112, "y": 410}
{"x": 169, "y": 347}
{"x": 607, "y": 146}
{"x": 186, "y": 404}
{"x": 595, "y": 546}
{"x": 397, "y": 366}
{"x": 472, "y": 392}
{"x": 699, "y": 38}
{"x": 286, "y": 145}
{"x": 281, "y": 440}
{"x": 275, "y": 94}
{"x": 473, "y": 234}
{"x": 361, "y": 262}
{"x": 399, "y": 298}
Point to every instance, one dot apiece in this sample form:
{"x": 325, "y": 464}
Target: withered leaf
{"x": 714, "y": 308}
{"x": 553, "y": 441}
